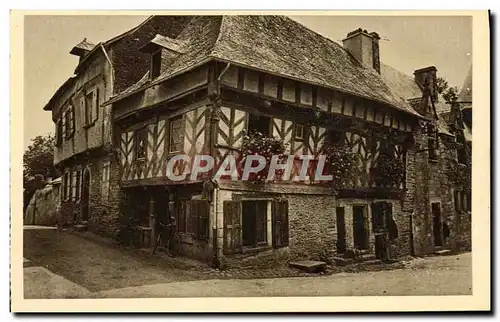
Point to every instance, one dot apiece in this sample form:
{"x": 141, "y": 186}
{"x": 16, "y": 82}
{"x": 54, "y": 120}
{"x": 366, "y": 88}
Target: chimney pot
{"x": 364, "y": 46}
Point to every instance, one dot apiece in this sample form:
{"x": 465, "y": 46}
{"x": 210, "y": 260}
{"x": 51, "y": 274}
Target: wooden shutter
{"x": 232, "y": 226}
{"x": 84, "y": 110}
{"x": 280, "y": 222}
{"x": 95, "y": 105}
{"x": 64, "y": 125}
{"x": 199, "y": 214}
{"x": 72, "y": 114}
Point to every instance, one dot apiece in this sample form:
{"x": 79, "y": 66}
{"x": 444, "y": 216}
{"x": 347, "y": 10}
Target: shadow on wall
{"x": 43, "y": 207}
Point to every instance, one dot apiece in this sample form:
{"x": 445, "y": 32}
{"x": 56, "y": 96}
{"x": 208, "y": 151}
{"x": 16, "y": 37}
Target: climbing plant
{"x": 340, "y": 163}
{"x": 388, "y": 172}
{"x": 256, "y": 143}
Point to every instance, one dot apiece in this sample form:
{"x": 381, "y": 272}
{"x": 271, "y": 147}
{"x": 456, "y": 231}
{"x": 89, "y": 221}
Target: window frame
{"x": 302, "y": 127}
{"x": 259, "y": 116}
{"x": 137, "y": 138}
{"x": 155, "y": 66}
{"x": 178, "y": 118}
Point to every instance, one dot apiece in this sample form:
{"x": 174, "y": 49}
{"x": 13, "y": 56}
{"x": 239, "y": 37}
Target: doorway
{"x": 341, "y": 244}
{"x": 85, "y": 195}
{"x": 437, "y": 224}
{"x": 360, "y": 227}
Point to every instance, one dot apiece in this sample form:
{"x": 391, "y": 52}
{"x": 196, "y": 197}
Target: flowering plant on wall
{"x": 340, "y": 162}
{"x": 389, "y": 170}
{"x": 256, "y": 143}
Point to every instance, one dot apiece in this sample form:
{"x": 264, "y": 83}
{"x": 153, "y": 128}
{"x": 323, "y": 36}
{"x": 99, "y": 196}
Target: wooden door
{"x": 437, "y": 224}
{"x": 341, "y": 244}
{"x": 360, "y": 227}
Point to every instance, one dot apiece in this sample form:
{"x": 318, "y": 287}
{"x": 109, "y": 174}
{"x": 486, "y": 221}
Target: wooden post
{"x": 152, "y": 222}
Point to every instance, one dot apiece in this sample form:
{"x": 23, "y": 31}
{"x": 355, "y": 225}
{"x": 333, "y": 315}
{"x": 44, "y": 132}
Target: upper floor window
{"x": 59, "y": 133}
{"x": 299, "y": 132}
{"x": 259, "y": 123}
{"x": 105, "y": 181}
{"x": 91, "y": 106}
{"x": 141, "y": 137}
{"x": 155, "y": 64}
{"x": 69, "y": 122}
{"x": 176, "y": 134}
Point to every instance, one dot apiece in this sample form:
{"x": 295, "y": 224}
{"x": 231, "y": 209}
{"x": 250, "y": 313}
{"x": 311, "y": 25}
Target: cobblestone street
{"x": 68, "y": 265}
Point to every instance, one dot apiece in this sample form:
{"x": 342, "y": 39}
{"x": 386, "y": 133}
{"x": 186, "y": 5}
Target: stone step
{"x": 81, "y": 227}
{"x": 443, "y": 252}
{"x": 309, "y": 266}
{"x": 341, "y": 261}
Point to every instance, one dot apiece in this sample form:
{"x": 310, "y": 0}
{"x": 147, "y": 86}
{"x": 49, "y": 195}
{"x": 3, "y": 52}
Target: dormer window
{"x": 155, "y": 64}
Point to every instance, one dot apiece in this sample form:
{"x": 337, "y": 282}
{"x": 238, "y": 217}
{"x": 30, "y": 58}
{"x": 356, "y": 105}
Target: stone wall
{"x": 103, "y": 214}
{"x": 311, "y": 229}
{"x": 401, "y": 246}
{"x": 429, "y": 182}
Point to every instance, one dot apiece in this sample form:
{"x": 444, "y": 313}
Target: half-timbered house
{"x": 208, "y": 80}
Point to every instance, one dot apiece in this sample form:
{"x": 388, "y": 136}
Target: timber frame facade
{"x": 207, "y": 107}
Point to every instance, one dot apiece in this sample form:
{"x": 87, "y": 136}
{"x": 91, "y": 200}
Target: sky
{"x": 407, "y": 44}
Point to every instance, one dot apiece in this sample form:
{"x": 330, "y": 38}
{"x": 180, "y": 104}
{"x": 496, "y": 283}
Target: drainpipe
{"x": 110, "y": 66}
{"x": 112, "y": 71}
{"x": 217, "y": 249}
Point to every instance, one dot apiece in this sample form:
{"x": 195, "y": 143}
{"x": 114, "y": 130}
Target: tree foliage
{"x": 38, "y": 165}
{"x": 448, "y": 92}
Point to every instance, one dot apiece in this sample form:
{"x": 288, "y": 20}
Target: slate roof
{"x": 85, "y": 45}
{"x": 281, "y": 46}
{"x": 169, "y": 43}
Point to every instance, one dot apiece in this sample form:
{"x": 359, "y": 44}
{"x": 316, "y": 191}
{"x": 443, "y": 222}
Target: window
{"x": 246, "y": 224}
{"x": 66, "y": 186}
{"x": 155, "y": 64}
{"x": 105, "y": 181}
{"x": 91, "y": 106}
{"x": 141, "y": 137}
{"x": 432, "y": 143}
{"x": 192, "y": 218}
{"x": 199, "y": 218}
{"x": 78, "y": 185}
{"x": 261, "y": 124}
{"x": 299, "y": 132}
{"x": 462, "y": 201}
{"x": 73, "y": 185}
{"x": 69, "y": 121}
{"x": 176, "y": 134}
{"x": 254, "y": 223}
{"x": 59, "y": 133}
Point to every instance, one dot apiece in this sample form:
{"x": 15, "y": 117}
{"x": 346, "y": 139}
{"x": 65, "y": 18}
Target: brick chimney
{"x": 427, "y": 78}
{"x": 364, "y": 46}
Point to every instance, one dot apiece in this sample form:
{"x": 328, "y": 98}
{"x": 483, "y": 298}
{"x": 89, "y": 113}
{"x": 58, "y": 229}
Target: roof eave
{"x": 321, "y": 85}
{"x": 157, "y": 81}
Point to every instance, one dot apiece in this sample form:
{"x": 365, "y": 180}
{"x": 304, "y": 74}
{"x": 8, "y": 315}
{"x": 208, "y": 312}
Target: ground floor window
{"x": 193, "y": 218}
{"x": 254, "y": 223}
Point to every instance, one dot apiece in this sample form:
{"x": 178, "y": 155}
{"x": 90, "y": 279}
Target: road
{"x": 63, "y": 265}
